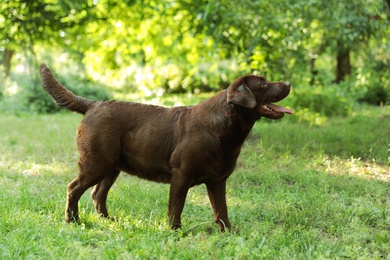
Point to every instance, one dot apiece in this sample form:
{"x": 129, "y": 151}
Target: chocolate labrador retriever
{"x": 183, "y": 146}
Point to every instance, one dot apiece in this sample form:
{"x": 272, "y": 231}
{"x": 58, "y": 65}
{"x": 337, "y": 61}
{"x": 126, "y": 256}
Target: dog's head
{"x": 256, "y": 93}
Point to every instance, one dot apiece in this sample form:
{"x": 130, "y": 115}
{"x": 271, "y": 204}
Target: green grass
{"x": 298, "y": 192}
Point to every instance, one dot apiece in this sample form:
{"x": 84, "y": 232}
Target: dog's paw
{"x": 70, "y": 218}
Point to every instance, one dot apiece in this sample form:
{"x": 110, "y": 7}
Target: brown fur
{"x": 183, "y": 146}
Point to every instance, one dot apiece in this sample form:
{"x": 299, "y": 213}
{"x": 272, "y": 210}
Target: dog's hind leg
{"x": 99, "y": 193}
{"x": 74, "y": 192}
{"x": 91, "y": 173}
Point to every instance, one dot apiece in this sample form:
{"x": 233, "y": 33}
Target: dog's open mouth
{"x": 274, "y": 111}
{"x": 273, "y": 107}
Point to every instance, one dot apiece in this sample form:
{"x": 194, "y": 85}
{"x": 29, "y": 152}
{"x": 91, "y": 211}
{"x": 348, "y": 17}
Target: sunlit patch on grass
{"x": 355, "y": 167}
{"x": 198, "y": 195}
{"x": 30, "y": 168}
{"x": 36, "y": 169}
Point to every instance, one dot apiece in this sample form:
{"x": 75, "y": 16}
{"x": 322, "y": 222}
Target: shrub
{"x": 313, "y": 118}
{"x": 376, "y": 95}
{"x": 373, "y": 85}
{"x": 328, "y": 101}
{"x": 22, "y": 93}
{"x": 40, "y": 102}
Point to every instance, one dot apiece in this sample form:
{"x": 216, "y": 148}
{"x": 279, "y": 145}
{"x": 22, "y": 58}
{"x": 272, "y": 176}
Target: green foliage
{"x": 376, "y": 95}
{"x": 373, "y": 85}
{"x": 24, "y": 23}
{"x": 33, "y": 98}
{"x": 305, "y": 115}
{"x": 328, "y": 101}
{"x": 40, "y": 102}
{"x": 255, "y": 37}
{"x": 316, "y": 104}
{"x": 171, "y": 78}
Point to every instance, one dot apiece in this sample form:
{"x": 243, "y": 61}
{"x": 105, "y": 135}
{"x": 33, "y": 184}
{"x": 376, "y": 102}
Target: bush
{"x": 40, "y": 102}
{"x": 22, "y": 94}
{"x": 376, "y": 95}
{"x": 373, "y": 85}
{"x": 328, "y": 101}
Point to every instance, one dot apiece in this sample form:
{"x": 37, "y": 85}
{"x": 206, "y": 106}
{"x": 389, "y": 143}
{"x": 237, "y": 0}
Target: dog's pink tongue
{"x": 280, "y": 109}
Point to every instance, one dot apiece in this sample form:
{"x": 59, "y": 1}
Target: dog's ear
{"x": 241, "y": 95}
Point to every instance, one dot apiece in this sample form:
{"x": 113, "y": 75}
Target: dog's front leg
{"x": 217, "y": 195}
{"x": 177, "y": 196}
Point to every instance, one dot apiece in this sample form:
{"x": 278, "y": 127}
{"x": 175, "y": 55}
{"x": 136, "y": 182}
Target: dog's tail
{"x": 62, "y": 96}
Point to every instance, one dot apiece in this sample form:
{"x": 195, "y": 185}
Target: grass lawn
{"x": 298, "y": 192}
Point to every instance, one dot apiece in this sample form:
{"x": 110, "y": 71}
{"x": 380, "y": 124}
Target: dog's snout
{"x": 288, "y": 84}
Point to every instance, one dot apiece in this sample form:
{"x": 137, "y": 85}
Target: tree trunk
{"x": 313, "y": 71}
{"x": 7, "y": 61}
{"x": 343, "y": 64}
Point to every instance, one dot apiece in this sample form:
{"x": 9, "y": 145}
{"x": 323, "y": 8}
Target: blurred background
{"x": 335, "y": 53}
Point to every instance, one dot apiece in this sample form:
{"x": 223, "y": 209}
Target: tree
{"x": 25, "y": 23}
{"x": 347, "y": 25}
{"x": 197, "y": 40}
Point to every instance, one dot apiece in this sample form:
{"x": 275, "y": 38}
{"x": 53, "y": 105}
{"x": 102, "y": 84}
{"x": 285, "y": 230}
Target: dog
{"x": 183, "y": 146}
